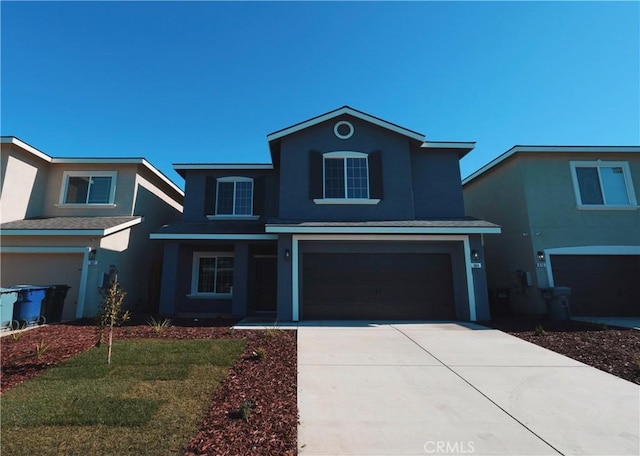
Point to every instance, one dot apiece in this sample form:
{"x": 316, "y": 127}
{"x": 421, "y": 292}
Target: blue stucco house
{"x": 354, "y": 218}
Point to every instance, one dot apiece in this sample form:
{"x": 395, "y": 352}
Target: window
{"x": 234, "y": 196}
{"x": 212, "y": 274}
{"x": 603, "y": 184}
{"x": 346, "y": 175}
{"x": 92, "y": 187}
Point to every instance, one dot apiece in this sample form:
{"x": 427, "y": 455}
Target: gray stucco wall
{"x": 436, "y": 183}
{"x": 295, "y": 203}
{"x": 532, "y": 197}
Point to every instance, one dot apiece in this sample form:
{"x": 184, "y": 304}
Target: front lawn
{"x": 150, "y": 401}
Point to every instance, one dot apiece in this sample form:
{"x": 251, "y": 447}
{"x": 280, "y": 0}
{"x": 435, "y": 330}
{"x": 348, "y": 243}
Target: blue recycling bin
{"x": 28, "y": 308}
{"x": 8, "y": 297}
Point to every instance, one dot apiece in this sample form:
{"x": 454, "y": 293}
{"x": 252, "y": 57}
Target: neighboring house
{"x": 354, "y": 218}
{"x": 569, "y": 217}
{"x": 75, "y": 221}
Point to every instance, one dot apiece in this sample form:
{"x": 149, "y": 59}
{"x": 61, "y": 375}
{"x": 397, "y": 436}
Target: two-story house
{"x": 354, "y": 218}
{"x": 79, "y": 221}
{"x": 569, "y": 216}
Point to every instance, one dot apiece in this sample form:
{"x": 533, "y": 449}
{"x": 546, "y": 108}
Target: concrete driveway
{"x": 453, "y": 388}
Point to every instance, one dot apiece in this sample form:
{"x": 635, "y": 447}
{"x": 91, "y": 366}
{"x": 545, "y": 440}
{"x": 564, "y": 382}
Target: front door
{"x": 266, "y": 284}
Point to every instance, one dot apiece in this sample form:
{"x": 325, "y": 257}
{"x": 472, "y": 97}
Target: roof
{"x": 68, "y": 226}
{"x": 93, "y": 160}
{"x": 466, "y": 225}
{"x": 338, "y": 112}
{"x": 549, "y": 149}
{"x": 182, "y": 167}
{"x": 228, "y": 229}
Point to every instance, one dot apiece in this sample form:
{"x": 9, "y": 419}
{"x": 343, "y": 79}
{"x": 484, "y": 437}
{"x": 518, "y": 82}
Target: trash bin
{"x": 28, "y": 308}
{"x": 8, "y": 297}
{"x": 557, "y": 301}
{"x": 54, "y": 302}
{"x": 499, "y": 302}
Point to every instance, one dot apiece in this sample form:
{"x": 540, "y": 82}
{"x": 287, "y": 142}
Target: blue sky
{"x": 207, "y": 81}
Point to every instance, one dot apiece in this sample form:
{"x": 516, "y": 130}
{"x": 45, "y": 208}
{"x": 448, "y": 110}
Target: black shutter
{"x": 259, "y": 195}
{"x": 375, "y": 175}
{"x": 315, "y": 175}
{"x": 210, "y": 195}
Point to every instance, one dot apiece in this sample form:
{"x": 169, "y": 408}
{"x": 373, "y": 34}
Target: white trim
{"x": 233, "y": 217}
{"x": 213, "y": 236}
{"x": 195, "y": 273}
{"x": 90, "y": 174}
{"x": 84, "y": 206}
{"x": 608, "y": 207}
{"x": 84, "y": 274}
{"x": 448, "y": 145}
{"x": 295, "y": 280}
{"x": 122, "y": 226}
{"x": 23, "y": 145}
{"x": 341, "y": 123}
{"x": 628, "y": 182}
{"x": 587, "y": 250}
{"x": 215, "y": 166}
{"x": 345, "y": 154}
{"x": 64, "y": 232}
{"x": 380, "y": 230}
{"x": 547, "y": 149}
{"x": 339, "y": 112}
{"x": 346, "y": 201}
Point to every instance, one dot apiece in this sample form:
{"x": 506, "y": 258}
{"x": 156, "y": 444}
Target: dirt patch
{"x": 613, "y": 350}
{"x": 264, "y": 377}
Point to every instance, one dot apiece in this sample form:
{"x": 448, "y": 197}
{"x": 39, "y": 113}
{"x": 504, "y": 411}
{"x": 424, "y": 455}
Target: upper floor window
{"x": 88, "y": 187}
{"x": 346, "y": 175}
{"x": 234, "y": 196}
{"x": 603, "y": 184}
{"x": 347, "y": 178}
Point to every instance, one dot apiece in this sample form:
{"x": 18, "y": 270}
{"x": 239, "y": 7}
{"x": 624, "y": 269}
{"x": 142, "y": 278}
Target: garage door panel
{"x": 602, "y": 285}
{"x": 377, "y": 286}
{"x": 45, "y": 269}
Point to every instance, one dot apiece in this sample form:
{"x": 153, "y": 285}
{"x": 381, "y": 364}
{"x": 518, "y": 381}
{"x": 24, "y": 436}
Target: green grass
{"x": 148, "y": 402}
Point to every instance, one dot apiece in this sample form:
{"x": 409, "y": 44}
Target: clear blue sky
{"x": 207, "y": 81}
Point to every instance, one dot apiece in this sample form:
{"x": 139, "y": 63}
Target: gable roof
{"x": 548, "y": 149}
{"x": 352, "y": 112}
{"x": 94, "y": 160}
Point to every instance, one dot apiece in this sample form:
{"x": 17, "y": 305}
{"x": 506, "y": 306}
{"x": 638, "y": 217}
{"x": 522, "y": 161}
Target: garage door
{"x": 377, "y": 286}
{"x": 602, "y": 285}
{"x": 45, "y": 269}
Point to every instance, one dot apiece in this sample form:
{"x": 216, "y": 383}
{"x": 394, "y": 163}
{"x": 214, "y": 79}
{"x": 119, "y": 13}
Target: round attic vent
{"x": 343, "y": 129}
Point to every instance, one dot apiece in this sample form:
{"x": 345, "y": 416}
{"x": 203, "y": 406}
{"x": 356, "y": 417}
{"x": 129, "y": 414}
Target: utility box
{"x": 557, "y": 301}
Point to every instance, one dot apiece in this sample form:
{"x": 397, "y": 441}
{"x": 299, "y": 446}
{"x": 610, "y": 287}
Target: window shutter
{"x": 210, "y": 195}
{"x": 375, "y": 175}
{"x": 315, "y": 175}
{"x": 259, "y": 189}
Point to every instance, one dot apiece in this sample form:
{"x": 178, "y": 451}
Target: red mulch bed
{"x": 613, "y": 350}
{"x": 269, "y": 383}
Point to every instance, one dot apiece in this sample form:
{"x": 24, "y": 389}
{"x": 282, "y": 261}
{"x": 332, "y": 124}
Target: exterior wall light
{"x": 287, "y": 254}
{"x": 541, "y": 256}
{"x": 475, "y": 256}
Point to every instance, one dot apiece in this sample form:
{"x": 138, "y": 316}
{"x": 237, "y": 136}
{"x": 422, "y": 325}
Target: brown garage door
{"x": 45, "y": 269}
{"x": 602, "y": 285}
{"x": 377, "y": 286}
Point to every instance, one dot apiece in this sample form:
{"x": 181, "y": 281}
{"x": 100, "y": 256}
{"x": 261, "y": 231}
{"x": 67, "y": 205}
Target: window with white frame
{"x": 603, "y": 184}
{"x": 212, "y": 274}
{"x": 346, "y": 175}
{"x": 234, "y": 196}
{"x": 88, "y": 187}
